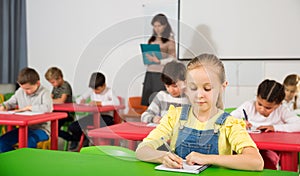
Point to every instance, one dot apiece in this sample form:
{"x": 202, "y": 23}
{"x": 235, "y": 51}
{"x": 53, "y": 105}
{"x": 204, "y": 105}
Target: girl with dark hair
{"x": 267, "y": 114}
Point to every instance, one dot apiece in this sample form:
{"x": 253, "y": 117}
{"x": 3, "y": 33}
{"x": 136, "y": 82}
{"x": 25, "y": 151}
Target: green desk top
{"x": 36, "y": 162}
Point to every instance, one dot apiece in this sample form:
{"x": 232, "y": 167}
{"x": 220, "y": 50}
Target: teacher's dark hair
{"x": 163, "y": 20}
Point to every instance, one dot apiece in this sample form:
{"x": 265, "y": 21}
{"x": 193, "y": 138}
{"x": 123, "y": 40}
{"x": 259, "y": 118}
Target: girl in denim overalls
{"x": 186, "y": 126}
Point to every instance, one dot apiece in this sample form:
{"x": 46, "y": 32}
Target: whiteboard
{"x": 240, "y": 29}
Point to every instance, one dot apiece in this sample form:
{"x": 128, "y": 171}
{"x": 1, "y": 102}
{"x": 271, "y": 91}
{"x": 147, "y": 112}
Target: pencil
{"x": 3, "y": 105}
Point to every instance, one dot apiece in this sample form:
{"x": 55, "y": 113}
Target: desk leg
{"x": 117, "y": 118}
{"x": 96, "y": 119}
{"x": 23, "y": 136}
{"x": 54, "y": 134}
{"x": 289, "y": 161}
{"x": 102, "y": 141}
{"x": 132, "y": 145}
{"x": 9, "y": 127}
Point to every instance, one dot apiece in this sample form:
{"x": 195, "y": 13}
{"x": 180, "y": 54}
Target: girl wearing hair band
{"x": 202, "y": 133}
{"x": 267, "y": 113}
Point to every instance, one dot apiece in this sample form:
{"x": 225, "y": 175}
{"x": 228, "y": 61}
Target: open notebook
{"x": 195, "y": 169}
{"x": 29, "y": 113}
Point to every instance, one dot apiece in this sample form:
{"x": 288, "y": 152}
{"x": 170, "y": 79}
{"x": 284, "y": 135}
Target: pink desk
{"x": 96, "y": 110}
{"x": 288, "y": 144}
{"x": 131, "y": 131}
{"x": 23, "y": 121}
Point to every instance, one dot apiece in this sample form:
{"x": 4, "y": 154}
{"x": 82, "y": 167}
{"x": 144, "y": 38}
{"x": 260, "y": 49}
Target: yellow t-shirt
{"x": 233, "y": 135}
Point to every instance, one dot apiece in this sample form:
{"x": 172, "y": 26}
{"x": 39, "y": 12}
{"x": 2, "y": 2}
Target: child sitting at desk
{"x": 201, "y": 132}
{"x": 100, "y": 95}
{"x": 173, "y": 76}
{"x": 266, "y": 113}
{"x": 61, "y": 93}
{"x": 31, "y": 96}
{"x": 291, "y": 85}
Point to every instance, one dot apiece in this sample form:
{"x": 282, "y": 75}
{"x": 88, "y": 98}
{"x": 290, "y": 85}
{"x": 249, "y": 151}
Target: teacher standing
{"x": 164, "y": 36}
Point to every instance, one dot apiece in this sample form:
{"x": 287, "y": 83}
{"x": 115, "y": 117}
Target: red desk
{"x": 23, "y": 121}
{"x": 96, "y": 110}
{"x": 131, "y": 131}
{"x": 288, "y": 144}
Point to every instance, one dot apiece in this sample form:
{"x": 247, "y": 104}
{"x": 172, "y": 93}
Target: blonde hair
{"x": 53, "y": 73}
{"x": 293, "y": 80}
{"x": 214, "y": 64}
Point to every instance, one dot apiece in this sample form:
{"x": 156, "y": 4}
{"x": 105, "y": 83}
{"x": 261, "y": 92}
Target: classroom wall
{"x": 84, "y": 36}
{"x": 245, "y": 29}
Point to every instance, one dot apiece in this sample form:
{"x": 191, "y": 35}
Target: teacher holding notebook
{"x": 162, "y": 35}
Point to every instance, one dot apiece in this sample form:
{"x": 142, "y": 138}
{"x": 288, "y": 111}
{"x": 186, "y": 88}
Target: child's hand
{"x": 266, "y": 128}
{"x": 82, "y": 101}
{"x": 95, "y": 103}
{"x": 3, "y": 108}
{"x": 171, "y": 160}
{"x": 248, "y": 125}
{"x": 197, "y": 158}
{"x": 156, "y": 119}
{"x": 27, "y": 108}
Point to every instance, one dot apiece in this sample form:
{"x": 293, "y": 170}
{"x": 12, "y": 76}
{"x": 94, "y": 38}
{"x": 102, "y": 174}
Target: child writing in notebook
{"x": 173, "y": 76}
{"x": 266, "y": 113}
{"x": 61, "y": 93}
{"x": 100, "y": 95}
{"x": 201, "y": 133}
{"x": 291, "y": 85}
{"x": 31, "y": 96}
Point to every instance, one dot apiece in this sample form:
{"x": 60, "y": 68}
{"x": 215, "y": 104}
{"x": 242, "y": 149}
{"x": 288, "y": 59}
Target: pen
{"x": 245, "y": 114}
{"x": 166, "y": 144}
{"x": 169, "y": 149}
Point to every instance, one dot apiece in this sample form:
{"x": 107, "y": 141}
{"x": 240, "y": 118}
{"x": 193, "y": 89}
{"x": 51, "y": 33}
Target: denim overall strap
{"x": 222, "y": 118}
{"x": 201, "y": 141}
{"x": 184, "y": 112}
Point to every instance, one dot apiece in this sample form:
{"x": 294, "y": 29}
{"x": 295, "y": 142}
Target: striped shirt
{"x": 160, "y": 105}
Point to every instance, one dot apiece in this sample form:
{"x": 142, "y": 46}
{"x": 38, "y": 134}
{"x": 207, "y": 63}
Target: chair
{"x": 8, "y": 95}
{"x": 135, "y": 109}
{"x": 109, "y": 150}
{"x": 1, "y": 98}
{"x": 229, "y": 110}
{"x": 46, "y": 145}
{"x": 2, "y": 127}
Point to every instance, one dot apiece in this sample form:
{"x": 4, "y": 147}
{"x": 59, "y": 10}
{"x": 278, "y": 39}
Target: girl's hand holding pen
{"x": 171, "y": 160}
{"x": 248, "y": 125}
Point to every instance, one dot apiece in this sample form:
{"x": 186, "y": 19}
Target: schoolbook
{"x": 151, "y": 49}
{"x": 194, "y": 169}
